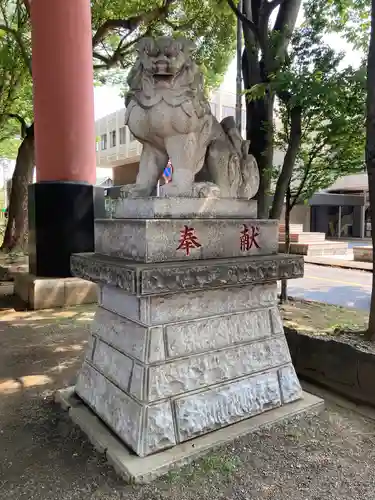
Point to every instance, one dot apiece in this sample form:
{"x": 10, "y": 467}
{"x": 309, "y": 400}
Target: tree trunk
{"x": 259, "y": 131}
{"x": 288, "y": 207}
{"x": 289, "y": 161}
{"x": 259, "y": 61}
{"x": 259, "y": 128}
{"x": 370, "y": 155}
{"x": 15, "y": 237}
{"x": 259, "y": 112}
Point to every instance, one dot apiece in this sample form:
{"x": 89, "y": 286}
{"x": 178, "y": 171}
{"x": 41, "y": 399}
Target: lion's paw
{"x": 171, "y": 190}
{"x": 134, "y": 191}
{"x": 205, "y": 190}
{"x": 197, "y": 190}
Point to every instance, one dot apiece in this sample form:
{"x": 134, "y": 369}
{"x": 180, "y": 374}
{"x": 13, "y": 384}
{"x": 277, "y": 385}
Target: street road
{"x": 343, "y": 287}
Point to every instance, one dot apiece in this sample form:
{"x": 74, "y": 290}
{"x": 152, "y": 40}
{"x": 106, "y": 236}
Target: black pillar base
{"x": 61, "y": 222}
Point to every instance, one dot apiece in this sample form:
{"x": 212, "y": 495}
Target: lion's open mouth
{"x": 163, "y": 77}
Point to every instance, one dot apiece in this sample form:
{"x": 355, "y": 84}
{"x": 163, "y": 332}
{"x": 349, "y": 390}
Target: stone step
{"x": 303, "y": 237}
{"x": 294, "y": 228}
{"x": 317, "y": 249}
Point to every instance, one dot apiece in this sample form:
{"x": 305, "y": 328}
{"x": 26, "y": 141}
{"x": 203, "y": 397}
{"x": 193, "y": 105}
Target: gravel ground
{"x": 44, "y": 457}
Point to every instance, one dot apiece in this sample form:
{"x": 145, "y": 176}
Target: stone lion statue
{"x": 166, "y": 110}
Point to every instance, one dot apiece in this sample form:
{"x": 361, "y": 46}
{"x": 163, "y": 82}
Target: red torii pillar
{"x": 61, "y": 214}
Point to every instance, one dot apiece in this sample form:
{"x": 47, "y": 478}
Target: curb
{"x": 339, "y": 265}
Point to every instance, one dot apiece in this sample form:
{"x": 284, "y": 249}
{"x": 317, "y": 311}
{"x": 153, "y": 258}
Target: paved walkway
{"x": 44, "y": 457}
{"x": 341, "y": 287}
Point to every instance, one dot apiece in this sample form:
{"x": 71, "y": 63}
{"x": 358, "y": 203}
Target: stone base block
{"x": 166, "y": 240}
{"x": 142, "y": 470}
{"x": 363, "y": 253}
{"x": 47, "y": 293}
{"x": 158, "y": 379}
{"x": 170, "y": 278}
{"x": 185, "y": 208}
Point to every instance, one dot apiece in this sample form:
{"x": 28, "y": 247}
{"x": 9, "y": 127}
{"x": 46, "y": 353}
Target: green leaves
{"x": 256, "y": 92}
{"x": 350, "y": 18}
{"x": 209, "y": 25}
{"x": 119, "y": 23}
{"x": 333, "y": 100}
{"x": 15, "y": 78}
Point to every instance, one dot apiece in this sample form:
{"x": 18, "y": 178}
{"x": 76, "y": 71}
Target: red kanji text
{"x": 249, "y": 237}
{"x": 188, "y": 240}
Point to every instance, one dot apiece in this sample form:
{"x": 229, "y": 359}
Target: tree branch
{"x": 313, "y": 154}
{"x": 180, "y": 27}
{"x": 272, "y": 5}
{"x": 265, "y": 12}
{"x": 132, "y": 23}
{"x": 285, "y": 22}
{"x": 250, "y": 59}
{"x": 20, "y": 44}
{"x": 301, "y": 186}
{"x": 117, "y": 56}
{"x": 244, "y": 19}
{"x": 97, "y": 55}
{"x": 289, "y": 162}
{"x": 27, "y": 4}
{"x": 21, "y": 120}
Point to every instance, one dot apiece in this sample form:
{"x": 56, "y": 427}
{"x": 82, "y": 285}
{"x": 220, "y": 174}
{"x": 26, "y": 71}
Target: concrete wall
{"x": 334, "y": 364}
{"x": 125, "y": 174}
{"x": 299, "y": 215}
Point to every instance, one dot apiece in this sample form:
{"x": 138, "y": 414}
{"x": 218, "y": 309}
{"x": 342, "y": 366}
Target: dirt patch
{"x": 41, "y": 349}
{"x": 317, "y": 317}
{"x": 323, "y": 320}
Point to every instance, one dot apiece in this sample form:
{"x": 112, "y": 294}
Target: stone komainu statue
{"x": 168, "y": 113}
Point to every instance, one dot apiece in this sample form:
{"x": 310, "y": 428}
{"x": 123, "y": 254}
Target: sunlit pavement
{"x": 343, "y": 287}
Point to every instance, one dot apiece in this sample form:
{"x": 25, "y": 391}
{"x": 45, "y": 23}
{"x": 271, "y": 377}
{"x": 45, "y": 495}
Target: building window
{"x": 228, "y": 111}
{"x": 122, "y": 135}
{"x": 113, "y": 138}
{"x": 103, "y": 142}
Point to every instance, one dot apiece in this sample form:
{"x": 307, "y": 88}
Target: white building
{"x": 117, "y": 149}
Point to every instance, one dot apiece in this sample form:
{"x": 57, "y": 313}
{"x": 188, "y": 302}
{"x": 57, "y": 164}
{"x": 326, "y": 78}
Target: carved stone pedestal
{"x": 187, "y": 337}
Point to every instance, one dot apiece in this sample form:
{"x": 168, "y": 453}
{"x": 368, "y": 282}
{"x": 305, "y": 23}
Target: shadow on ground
{"x": 41, "y": 348}
{"x": 43, "y": 456}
